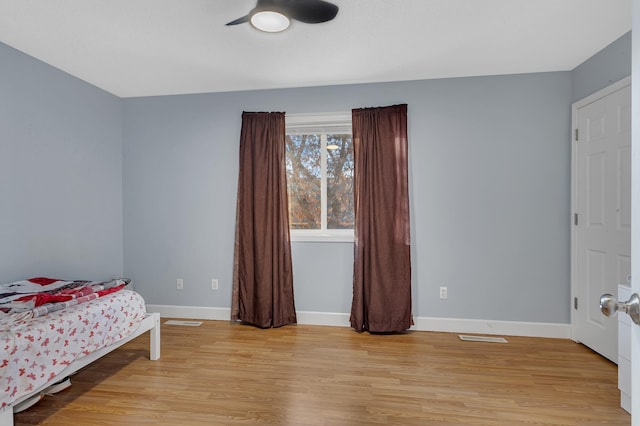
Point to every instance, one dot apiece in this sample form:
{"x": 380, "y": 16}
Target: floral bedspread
{"x": 35, "y": 349}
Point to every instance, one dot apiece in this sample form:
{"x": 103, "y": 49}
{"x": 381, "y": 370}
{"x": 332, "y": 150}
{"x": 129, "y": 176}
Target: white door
{"x": 635, "y": 283}
{"x": 601, "y": 235}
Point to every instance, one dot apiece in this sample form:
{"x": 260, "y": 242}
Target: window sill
{"x": 322, "y": 237}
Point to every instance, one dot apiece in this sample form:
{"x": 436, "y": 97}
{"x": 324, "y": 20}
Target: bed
{"x": 51, "y": 328}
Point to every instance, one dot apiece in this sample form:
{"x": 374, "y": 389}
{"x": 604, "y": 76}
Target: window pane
{"x": 303, "y": 181}
{"x": 339, "y": 182}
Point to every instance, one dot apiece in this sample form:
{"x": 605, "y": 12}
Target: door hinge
{"x": 575, "y": 219}
{"x": 576, "y": 134}
{"x": 575, "y": 303}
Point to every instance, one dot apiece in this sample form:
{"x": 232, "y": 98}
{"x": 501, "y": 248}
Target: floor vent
{"x": 185, "y": 323}
{"x": 483, "y": 339}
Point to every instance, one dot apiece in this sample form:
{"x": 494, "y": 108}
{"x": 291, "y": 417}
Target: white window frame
{"x": 315, "y": 121}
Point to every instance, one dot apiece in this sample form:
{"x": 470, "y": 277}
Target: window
{"x": 320, "y": 177}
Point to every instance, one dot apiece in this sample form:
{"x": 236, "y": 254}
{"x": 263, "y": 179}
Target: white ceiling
{"x": 160, "y": 47}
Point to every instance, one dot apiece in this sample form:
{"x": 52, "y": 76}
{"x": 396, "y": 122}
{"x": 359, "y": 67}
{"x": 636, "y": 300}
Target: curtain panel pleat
{"x": 262, "y": 293}
{"x": 382, "y": 249}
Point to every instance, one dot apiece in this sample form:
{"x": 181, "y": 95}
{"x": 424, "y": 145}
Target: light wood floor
{"x": 222, "y": 373}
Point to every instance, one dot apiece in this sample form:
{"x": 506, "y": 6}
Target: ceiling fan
{"x": 275, "y": 15}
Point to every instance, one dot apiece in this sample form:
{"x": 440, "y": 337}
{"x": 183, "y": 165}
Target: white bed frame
{"x": 150, "y": 323}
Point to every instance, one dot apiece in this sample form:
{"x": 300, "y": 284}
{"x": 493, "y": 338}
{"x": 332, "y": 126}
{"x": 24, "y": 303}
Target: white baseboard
{"x": 191, "y": 312}
{"x": 505, "y": 328}
{"x": 323, "y": 318}
{"x": 448, "y": 325}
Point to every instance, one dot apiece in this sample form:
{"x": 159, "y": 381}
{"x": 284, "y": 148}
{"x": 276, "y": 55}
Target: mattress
{"x": 34, "y": 350}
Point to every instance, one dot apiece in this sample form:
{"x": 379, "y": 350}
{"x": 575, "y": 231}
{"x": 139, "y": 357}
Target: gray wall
{"x": 60, "y": 174}
{"x": 605, "y": 67}
{"x": 489, "y": 187}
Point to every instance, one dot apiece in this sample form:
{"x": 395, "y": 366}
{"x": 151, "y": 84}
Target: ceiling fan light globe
{"x": 269, "y": 21}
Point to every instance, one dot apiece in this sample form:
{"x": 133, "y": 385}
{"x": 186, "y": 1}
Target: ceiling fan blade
{"x": 311, "y": 11}
{"x": 239, "y": 20}
{"x": 307, "y": 11}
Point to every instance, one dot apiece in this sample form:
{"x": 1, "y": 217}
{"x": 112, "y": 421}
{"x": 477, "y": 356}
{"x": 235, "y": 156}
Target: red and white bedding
{"x": 42, "y": 332}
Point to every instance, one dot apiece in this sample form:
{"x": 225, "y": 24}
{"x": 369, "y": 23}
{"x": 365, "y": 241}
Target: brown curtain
{"x": 382, "y": 258}
{"x": 262, "y": 293}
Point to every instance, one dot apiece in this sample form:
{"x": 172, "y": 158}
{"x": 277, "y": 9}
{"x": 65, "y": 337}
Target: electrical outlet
{"x": 179, "y": 284}
{"x": 443, "y": 292}
{"x": 214, "y": 284}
